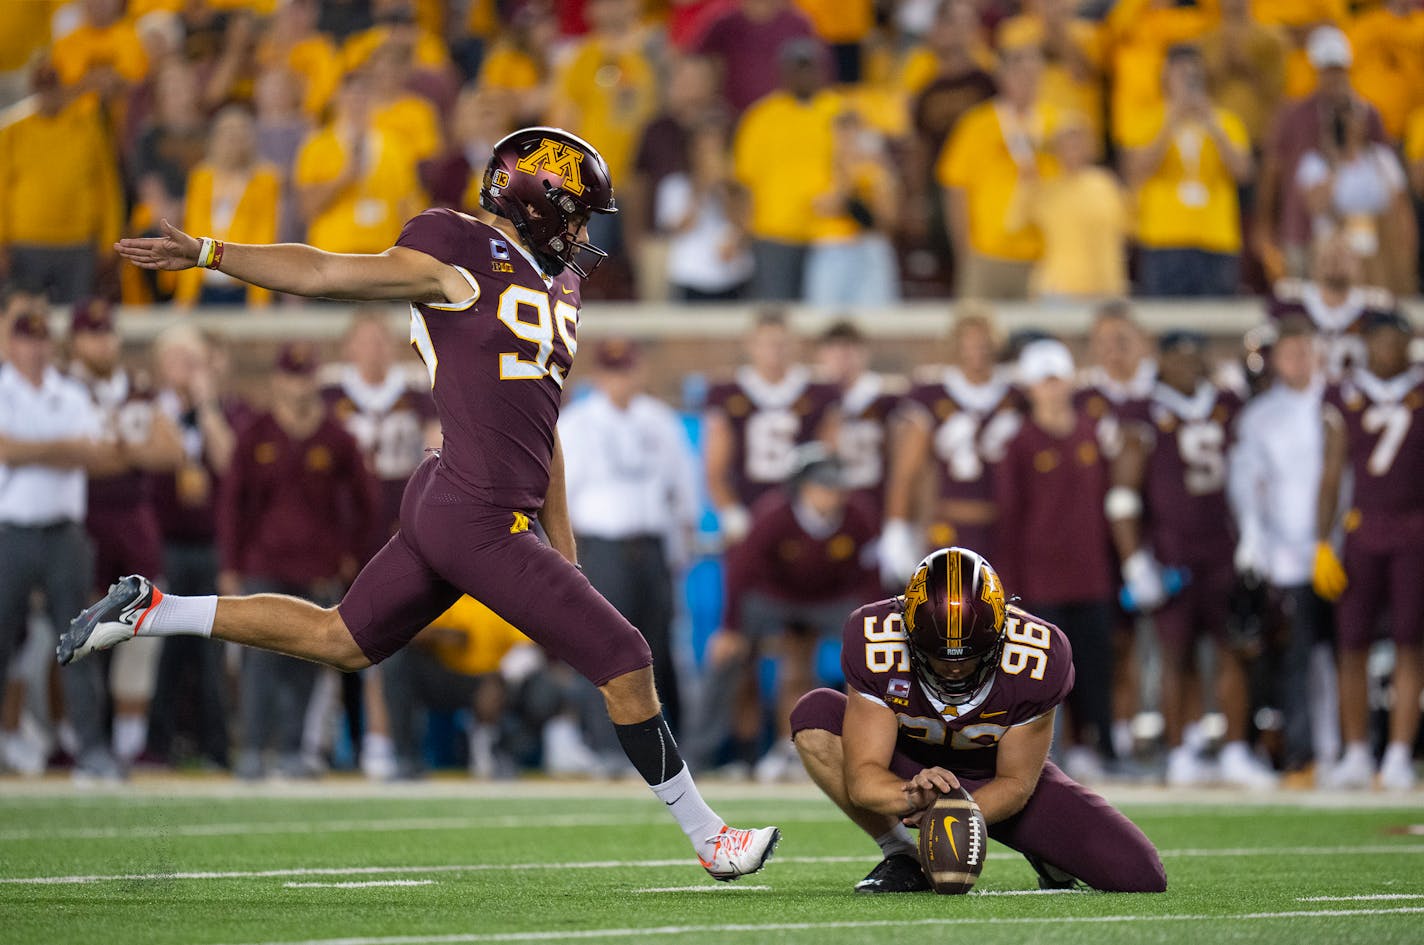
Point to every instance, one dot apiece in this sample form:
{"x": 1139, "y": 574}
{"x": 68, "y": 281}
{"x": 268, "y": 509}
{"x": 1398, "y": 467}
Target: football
{"x": 953, "y": 838}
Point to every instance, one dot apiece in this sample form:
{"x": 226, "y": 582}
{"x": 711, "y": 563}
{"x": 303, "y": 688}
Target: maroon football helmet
{"x": 953, "y": 610}
{"x": 548, "y": 182}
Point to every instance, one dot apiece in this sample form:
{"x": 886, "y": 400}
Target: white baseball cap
{"x": 1328, "y": 47}
{"x": 1043, "y": 359}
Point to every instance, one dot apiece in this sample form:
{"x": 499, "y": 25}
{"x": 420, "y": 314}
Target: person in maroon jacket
{"x": 297, "y": 503}
{"x": 808, "y": 559}
{"x": 1052, "y": 481}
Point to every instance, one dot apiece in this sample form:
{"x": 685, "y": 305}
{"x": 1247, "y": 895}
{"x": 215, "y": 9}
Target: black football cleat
{"x": 900, "y": 873}
{"x": 109, "y": 622}
{"x": 1051, "y": 877}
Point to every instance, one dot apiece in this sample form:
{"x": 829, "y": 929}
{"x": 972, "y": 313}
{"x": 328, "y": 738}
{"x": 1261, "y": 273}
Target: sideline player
{"x": 925, "y": 674}
{"x": 494, "y": 315}
{"x": 1374, "y": 427}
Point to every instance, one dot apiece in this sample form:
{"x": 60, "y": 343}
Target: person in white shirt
{"x": 633, "y": 499}
{"x": 1273, "y": 482}
{"x": 50, "y": 442}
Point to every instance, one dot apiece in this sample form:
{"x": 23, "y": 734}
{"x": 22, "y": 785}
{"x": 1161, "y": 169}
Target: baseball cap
{"x": 799, "y": 51}
{"x": 616, "y": 354}
{"x": 1181, "y": 338}
{"x": 1043, "y": 359}
{"x": 296, "y": 357}
{"x": 1328, "y": 47}
{"x": 814, "y": 462}
{"x": 91, "y": 315}
{"x": 1386, "y": 318}
{"x": 30, "y": 325}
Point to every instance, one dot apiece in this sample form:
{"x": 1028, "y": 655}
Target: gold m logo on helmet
{"x": 915, "y": 595}
{"x": 992, "y": 593}
{"x": 556, "y": 158}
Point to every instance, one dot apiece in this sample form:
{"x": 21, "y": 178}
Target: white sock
{"x": 691, "y": 812}
{"x": 176, "y": 615}
{"x": 130, "y": 734}
{"x": 1397, "y": 753}
{"x": 897, "y": 840}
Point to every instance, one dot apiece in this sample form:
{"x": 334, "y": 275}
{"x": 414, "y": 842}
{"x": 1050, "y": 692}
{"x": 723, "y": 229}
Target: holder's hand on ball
{"x": 923, "y": 790}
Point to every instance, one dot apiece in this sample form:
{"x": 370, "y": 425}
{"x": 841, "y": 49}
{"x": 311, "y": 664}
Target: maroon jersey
{"x": 497, "y": 360}
{"x": 292, "y": 510}
{"x": 388, "y": 422}
{"x": 1338, "y": 327}
{"x": 798, "y": 562}
{"x": 863, "y": 441}
{"x": 1185, "y": 510}
{"x": 1053, "y": 544}
{"x": 768, "y": 422}
{"x": 971, "y": 423}
{"x": 1035, "y": 674}
{"x": 1103, "y": 398}
{"x": 1384, "y": 429}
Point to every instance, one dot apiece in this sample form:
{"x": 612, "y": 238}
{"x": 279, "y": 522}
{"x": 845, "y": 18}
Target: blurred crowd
{"x": 1230, "y": 537}
{"x": 844, "y": 152}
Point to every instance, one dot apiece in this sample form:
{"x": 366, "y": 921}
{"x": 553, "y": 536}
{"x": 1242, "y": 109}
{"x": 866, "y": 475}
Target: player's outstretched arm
{"x": 398, "y": 274}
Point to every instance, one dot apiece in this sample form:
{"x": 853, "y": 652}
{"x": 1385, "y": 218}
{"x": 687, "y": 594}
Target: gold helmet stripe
{"x": 955, "y": 599}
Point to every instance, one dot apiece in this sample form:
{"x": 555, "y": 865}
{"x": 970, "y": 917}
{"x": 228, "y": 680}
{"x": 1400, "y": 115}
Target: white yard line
{"x": 1366, "y": 850}
{"x": 720, "y": 887}
{"x": 1373, "y": 897}
{"x": 562, "y": 935}
{"x": 368, "y": 884}
{"x": 383, "y": 825}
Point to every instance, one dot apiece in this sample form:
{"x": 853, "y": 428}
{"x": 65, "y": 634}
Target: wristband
{"x": 217, "y": 254}
{"x": 205, "y": 252}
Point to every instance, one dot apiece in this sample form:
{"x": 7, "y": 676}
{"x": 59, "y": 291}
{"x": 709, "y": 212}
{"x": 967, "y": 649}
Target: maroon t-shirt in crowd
{"x": 388, "y": 421}
{"x": 290, "y": 510}
{"x": 661, "y": 151}
{"x": 1035, "y": 674}
{"x": 1384, "y": 430}
{"x": 863, "y": 440}
{"x": 1185, "y": 512}
{"x": 186, "y": 499}
{"x": 1053, "y": 543}
{"x": 1298, "y": 130}
{"x": 768, "y": 422}
{"x": 748, "y": 51}
{"x": 781, "y": 559}
{"x": 489, "y": 357}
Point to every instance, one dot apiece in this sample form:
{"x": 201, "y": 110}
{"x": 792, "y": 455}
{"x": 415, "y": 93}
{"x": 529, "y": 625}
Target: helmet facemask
{"x": 956, "y": 691}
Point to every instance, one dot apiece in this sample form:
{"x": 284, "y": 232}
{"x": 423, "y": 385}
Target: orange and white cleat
{"x": 111, "y": 621}
{"x": 737, "y": 853}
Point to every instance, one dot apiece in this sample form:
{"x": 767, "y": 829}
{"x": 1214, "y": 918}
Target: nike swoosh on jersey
{"x": 566, "y": 290}
{"x": 990, "y": 715}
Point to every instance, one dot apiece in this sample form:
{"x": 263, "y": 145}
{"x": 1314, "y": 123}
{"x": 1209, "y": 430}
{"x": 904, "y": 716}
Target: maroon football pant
{"x": 1200, "y": 609}
{"x": 1381, "y": 582}
{"x": 449, "y": 544}
{"x": 1063, "y": 824}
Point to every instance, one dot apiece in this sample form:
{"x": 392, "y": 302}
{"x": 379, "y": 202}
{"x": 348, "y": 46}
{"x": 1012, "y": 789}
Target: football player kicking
{"x": 494, "y": 316}
{"x": 948, "y": 686}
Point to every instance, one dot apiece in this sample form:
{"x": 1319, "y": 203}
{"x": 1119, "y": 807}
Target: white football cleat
{"x": 1239, "y": 768}
{"x": 1185, "y": 768}
{"x": 111, "y": 621}
{"x": 1355, "y": 770}
{"x": 1396, "y": 771}
{"x": 737, "y": 853}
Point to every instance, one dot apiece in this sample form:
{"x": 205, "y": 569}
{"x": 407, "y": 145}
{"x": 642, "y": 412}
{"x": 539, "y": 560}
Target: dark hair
{"x": 843, "y": 331}
{"x": 770, "y": 317}
{"x": 1180, "y": 52}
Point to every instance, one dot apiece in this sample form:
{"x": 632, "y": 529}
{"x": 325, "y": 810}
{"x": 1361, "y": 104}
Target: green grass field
{"x": 339, "y": 863}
